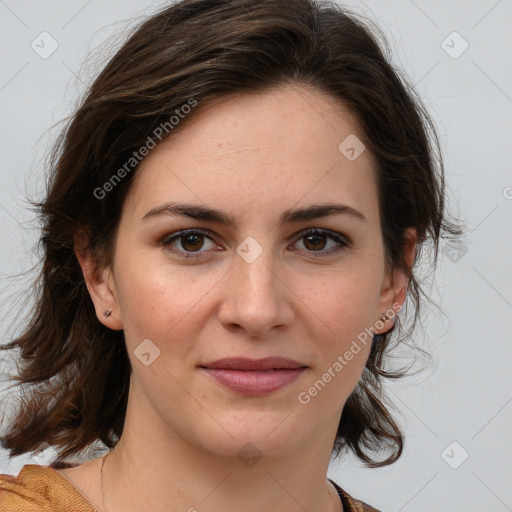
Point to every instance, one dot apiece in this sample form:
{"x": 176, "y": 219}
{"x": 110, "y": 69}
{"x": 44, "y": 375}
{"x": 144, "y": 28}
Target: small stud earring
{"x": 107, "y": 313}
{"x": 383, "y": 318}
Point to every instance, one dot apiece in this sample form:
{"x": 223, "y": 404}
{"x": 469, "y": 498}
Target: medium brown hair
{"x": 207, "y": 50}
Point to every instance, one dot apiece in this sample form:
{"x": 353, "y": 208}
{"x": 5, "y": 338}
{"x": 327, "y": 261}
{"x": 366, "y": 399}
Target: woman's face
{"x": 270, "y": 273}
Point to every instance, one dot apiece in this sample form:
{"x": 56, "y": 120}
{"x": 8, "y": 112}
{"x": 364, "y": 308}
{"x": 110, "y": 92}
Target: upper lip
{"x": 242, "y": 363}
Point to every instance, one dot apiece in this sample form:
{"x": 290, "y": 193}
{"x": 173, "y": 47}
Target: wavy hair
{"x": 208, "y": 50}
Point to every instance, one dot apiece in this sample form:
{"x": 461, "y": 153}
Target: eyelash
{"x": 343, "y": 241}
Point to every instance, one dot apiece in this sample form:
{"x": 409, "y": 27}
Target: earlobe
{"x": 100, "y": 285}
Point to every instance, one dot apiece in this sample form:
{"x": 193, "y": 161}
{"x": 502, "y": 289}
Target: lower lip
{"x": 255, "y": 382}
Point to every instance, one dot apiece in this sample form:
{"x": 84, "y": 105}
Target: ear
{"x": 394, "y": 286}
{"x": 100, "y": 283}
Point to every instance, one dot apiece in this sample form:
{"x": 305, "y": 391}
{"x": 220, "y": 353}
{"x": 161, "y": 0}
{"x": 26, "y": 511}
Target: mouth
{"x": 254, "y": 376}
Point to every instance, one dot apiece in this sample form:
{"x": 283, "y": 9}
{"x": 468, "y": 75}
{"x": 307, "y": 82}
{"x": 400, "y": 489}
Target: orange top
{"x": 42, "y": 489}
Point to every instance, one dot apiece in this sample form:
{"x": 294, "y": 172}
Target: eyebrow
{"x": 198, "y": 212}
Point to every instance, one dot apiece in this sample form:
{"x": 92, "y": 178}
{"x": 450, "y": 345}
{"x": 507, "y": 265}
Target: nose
{"x": 256, "y": 297}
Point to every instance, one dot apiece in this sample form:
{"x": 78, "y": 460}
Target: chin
{"x": 251, "y": 435}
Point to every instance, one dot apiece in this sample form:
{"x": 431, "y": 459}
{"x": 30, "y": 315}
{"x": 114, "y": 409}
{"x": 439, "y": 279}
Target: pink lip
{"x": 254, "y": 376}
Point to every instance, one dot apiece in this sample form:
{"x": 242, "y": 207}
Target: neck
{"x": 156, "y": 471}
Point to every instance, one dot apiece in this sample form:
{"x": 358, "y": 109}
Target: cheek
{"x": 347, "y": 305}
{"x": 347, "y": 302}
{"x": 343, "y": 343}
{"x": 158, "y": 301}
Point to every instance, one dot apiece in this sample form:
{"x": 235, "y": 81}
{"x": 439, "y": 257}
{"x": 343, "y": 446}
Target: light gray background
{"x": 467, "y": 397}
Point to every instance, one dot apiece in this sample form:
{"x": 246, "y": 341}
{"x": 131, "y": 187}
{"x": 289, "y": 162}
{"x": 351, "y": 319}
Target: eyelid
{"x": 339, "y": 237}
{"x": 342, "y": 240}
{"x": 168, "y": 239}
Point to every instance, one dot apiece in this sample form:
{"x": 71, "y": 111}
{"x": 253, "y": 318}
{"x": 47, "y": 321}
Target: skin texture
{"x": 253, "y": 157}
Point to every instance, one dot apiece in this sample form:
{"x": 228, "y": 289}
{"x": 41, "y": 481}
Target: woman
{"x": 231, "y": 228}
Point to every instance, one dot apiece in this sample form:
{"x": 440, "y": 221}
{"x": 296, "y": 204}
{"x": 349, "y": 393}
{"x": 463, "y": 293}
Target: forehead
{"x": 282, "y": 145}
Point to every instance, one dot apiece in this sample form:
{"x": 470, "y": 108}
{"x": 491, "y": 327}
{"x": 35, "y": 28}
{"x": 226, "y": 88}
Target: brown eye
{"x": 189, "y": 243}
{"x": 322, "y": 242}
{"x": 192, "y": 242}
{"x": 315, "y": 242}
